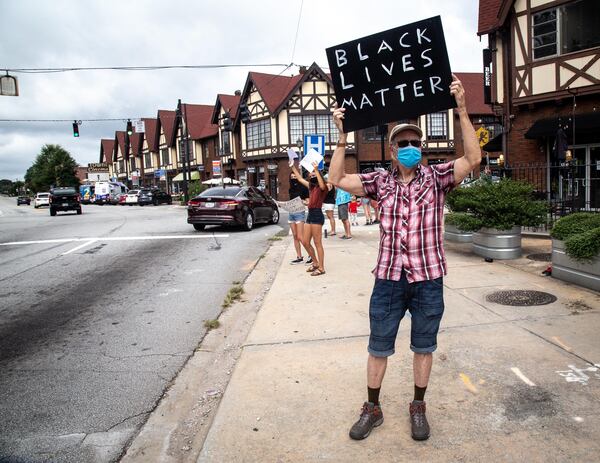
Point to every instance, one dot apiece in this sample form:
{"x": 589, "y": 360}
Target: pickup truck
{"x": 64, "y": 199}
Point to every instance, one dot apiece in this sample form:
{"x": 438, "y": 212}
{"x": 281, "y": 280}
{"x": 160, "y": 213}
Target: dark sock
{"x": 420, "y": 392}
{"x": 373, "y": 395}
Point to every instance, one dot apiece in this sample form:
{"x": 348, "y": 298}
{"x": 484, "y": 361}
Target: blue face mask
{"x": 409, "y": 156}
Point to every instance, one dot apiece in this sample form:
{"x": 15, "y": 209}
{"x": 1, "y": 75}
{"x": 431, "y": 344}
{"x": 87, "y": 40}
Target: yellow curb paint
{"x": 468, "y": 384}
{"x": 558, "y": 341}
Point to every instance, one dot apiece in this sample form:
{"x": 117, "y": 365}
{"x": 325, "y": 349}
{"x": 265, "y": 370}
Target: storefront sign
{"x": 487, "y": 76}
{"x": 140, "y": 126}
{"x": 201, "y": 168}
{"x": 98, "y": 167}
{"x": 251, "y": 170}
{"x": 216, "y": 167}
{"x": 272, "y": 167}
{"x": 396, "y": 74}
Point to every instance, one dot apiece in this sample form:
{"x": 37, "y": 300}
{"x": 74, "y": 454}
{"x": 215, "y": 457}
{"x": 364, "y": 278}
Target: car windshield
{"x": 228, "y": 192}
{"x": 145, "y": 192}
{"x": 64, "y": 191}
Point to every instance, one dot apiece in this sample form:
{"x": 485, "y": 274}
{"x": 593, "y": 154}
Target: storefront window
{"x": 312, "y": 124}
{"x": 258, "y": 134}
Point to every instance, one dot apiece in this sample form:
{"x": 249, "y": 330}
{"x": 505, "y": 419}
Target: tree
{"x": 54, "y": 166}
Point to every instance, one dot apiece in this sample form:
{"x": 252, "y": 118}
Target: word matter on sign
{"x": 395, "y": 74}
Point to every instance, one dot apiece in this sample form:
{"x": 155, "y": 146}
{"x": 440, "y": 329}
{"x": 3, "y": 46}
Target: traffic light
{"x": 75, "y": 129}
{"x": 129, "y": 127}
{"x": 244, "y": 113}
{"x": 227, "y": 124}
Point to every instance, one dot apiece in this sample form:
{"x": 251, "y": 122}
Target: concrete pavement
{"x": 508, "y": 383}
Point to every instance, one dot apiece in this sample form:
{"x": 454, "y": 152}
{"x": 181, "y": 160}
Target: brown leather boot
{"x": 371, "y": 416}
{"x": 418, "y": 421}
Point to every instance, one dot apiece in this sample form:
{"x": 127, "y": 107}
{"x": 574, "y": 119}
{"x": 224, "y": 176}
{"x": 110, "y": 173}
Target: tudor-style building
{"x": 228, "y": 141}
{"x": 121, "y": 154}
{"x": 546, "y": 77}
{"x": 107, "y": 152}
{"x": 282, "y": 110}
{"x": 167, "y": 159}
{"x": 149, "y": 152}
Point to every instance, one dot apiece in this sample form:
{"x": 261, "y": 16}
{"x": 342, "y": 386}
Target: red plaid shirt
{"x": 412, "y": 216}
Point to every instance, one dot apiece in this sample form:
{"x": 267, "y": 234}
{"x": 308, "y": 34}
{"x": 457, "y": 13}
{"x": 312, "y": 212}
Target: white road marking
{"x": 77, "y": 248}
{"x": 115, "y": 238}
{"x": 522, "y": 377}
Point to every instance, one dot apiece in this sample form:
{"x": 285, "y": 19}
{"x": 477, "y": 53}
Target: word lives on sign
{"x": 396, "y": 74}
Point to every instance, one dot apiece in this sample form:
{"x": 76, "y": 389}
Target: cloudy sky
{"x": 99, "y": 33}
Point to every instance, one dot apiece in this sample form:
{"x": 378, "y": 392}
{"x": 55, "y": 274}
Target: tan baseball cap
{"x": 402, "y": 127}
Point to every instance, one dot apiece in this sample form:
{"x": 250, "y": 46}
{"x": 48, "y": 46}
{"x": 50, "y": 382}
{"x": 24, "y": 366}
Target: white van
{"x": 108, "y": 192}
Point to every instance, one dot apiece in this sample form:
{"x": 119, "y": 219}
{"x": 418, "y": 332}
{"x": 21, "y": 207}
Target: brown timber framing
{"x": 523, "y": 74}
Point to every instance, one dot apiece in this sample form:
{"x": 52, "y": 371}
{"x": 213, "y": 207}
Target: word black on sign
{"x": 395, "y": 74}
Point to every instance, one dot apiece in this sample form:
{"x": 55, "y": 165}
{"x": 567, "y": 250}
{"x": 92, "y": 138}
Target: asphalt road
{"x": 92, "y": 331}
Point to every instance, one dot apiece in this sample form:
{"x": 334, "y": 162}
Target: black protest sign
{"x": 396, "y": 74}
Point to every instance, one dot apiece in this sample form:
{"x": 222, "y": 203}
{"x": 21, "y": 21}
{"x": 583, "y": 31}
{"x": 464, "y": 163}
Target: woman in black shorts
{"x": 317, "y": 190}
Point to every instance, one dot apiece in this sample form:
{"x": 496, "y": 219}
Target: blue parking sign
{"x": 316, "y": 142}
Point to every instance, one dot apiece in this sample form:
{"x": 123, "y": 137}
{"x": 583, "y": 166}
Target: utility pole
{"x": 181, "y": 127}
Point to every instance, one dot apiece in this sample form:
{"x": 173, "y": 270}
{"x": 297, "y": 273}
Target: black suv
{"x": 153, "y": 196}
{"x": 64, "y": 199}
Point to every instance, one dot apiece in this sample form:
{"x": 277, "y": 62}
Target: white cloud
{"x": 106, "y": 33}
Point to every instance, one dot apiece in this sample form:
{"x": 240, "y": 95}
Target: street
{"x": 98, "y": 314}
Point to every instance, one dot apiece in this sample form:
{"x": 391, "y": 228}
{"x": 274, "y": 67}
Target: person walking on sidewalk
{"x": 353, "y": 208}
{"x": 366, "y": 204}
{"x": 313, "y": 229}
{"x": 297, "y": 219}
{"x": 329, "y": 206}
{"x": 342, "y": 199}
{"x": 411, "y": 262}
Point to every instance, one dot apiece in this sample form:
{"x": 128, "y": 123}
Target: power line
{"x": 297, "y": 29}
{"x": 124, "y": 119}
{"x": 137, "y": 68}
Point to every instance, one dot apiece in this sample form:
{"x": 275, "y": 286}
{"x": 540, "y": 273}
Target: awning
{"x": 194, "y": 175}
{"x": 494, "y": 145}
{"x": 584, "y": 123}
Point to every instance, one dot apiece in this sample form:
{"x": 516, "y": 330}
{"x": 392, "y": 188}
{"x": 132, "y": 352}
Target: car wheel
{"x": 274, "y": 216}
{"x": 248, "y": 221}
{"x": 79, "y": 211}
{"x": 52, "y": 212}
{"x": 199, "y": 226}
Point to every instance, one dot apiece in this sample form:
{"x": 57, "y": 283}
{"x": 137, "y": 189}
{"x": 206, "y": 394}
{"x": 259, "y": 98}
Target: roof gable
{"x": 120, "y": 143}
{"x": 313, "y": 71}
{"x": 107, "y": 148}
{"x": 273, "y": 89}
{"x": 492, "y": 14}
{"x": 135, "y": 143}
{"x": 230, "y": 103}
{"x": 166, "y": 120}
{"x": 151, "y": 134}
{"x": 199, "y": 120}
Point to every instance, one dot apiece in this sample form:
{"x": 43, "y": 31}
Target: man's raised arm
{"x": 348, "y": 182}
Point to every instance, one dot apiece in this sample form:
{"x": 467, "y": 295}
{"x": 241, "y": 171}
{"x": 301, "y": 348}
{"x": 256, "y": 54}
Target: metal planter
{"x": 452, "y": 233}
{"x": 586, "y": 274}
{"x": 497, "y": 244}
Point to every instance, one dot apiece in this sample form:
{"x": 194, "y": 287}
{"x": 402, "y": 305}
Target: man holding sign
{"x": 411, "y": 261}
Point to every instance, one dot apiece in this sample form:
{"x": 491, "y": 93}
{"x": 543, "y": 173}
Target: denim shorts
{"x": 296, "y": 217}
{"x": 315, "y": 216}
{"x": 389, "y": 302}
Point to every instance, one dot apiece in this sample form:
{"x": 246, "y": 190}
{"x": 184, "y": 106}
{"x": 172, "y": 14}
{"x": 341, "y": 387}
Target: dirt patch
{"x": 529, "y": 402}
{"x": 577, "y": 306}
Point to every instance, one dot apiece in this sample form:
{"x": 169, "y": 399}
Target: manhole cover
{"x": 521, "y": 297}
{"x": 541, "y": 257}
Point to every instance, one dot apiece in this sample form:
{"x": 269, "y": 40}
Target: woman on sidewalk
{"x": 329, "y": 206}
{"x": 366, "y": 204}
{"x": 297, "y": 219}
{"x": 313, "y": 229}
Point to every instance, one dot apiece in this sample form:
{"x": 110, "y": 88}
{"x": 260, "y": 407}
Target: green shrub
{"x": 501, "y": 205}
{"x": 584, "y": 246}
{"x": 455, "y": 200}
{"x": 463, "y": 221}
{"x": 195, "y": 188}
{"x": 573, "y": 224}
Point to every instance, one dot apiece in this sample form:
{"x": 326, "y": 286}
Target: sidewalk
{"x": 495, "y": 393}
